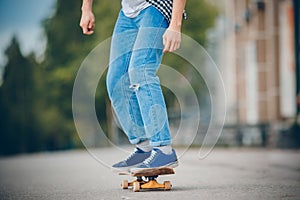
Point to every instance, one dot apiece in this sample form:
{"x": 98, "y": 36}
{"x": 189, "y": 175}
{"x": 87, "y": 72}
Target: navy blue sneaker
{"x": 158, "y": 159}
{"x": 135, "y": 158}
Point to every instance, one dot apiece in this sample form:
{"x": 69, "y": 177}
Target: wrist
{"x": 175, "y": 26}
{"x": 86, "y": 6}
{"x": 86, "y": 9}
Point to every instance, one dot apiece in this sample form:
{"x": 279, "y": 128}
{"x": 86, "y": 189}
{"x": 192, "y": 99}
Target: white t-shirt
{"x": 132, "y": 8}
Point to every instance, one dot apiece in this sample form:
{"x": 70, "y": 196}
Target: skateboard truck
{"x": 146, "y": 179}
{"x": 125, "y": 184}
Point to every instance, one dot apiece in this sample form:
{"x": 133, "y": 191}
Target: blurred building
{"x": 256, "y": 57}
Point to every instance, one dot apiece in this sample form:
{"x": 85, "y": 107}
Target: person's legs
{"x": 144, "y": 116}
{"x": 134, "y": 89}
{"x": 126, "y": 108}
{"x": 117, "y": 81}
{"x": 145, "y": 61}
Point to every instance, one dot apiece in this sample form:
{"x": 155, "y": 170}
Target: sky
{"x": 23, "y": 18}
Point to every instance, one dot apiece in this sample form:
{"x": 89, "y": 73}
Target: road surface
{"x": 233, "y": 173}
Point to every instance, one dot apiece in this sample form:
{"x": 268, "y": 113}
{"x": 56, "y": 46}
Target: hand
{"x": 171, "y": 40}
{"x": 87, "y": 22}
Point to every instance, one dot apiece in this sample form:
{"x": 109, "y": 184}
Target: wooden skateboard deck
{"x": 146, "y": 179}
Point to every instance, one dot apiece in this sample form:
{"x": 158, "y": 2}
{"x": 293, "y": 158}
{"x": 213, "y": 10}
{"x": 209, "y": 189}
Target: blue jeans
{"x": 132, "y": 84}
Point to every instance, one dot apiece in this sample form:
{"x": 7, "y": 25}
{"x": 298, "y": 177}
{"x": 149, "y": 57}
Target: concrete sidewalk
{"x": 224, "y": 174}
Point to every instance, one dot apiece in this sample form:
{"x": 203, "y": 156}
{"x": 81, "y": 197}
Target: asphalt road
{"x": 224, "y": 174}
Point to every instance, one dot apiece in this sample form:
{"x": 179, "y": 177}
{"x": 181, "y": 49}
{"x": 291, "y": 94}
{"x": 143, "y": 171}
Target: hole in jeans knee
{"x": 135, "y": 87}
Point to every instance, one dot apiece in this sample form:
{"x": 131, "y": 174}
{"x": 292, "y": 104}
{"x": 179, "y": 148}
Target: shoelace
{"x": 131, "y": 155}
{"x": 150, "y": 158}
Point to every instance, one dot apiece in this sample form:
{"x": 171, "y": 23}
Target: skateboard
{"x": 146, "y": 179}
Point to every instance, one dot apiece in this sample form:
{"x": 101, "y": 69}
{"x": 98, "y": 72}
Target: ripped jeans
{"x": 132, "y": 84}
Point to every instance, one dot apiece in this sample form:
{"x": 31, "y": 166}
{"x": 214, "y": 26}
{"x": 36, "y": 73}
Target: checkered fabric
{"x": 165, "y": 7}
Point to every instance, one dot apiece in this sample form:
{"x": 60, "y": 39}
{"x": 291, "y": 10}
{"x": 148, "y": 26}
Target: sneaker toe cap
{"x": 120, "y": 164}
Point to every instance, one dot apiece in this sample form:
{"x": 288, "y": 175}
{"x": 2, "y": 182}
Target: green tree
{"x": 17, "y": 93}
{"x": 66, "y": 49}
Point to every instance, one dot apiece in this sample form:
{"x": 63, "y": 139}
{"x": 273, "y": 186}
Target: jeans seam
{"x": 132, "y": 117}
{"x": 145, "y": 77}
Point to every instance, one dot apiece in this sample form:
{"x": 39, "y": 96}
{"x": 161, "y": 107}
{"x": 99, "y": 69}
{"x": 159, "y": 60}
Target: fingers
{"x": 171, "y": 40}
{"x": 167, "y": 45}
{"x": 171, "y": 46}
{"x": 88, "y": 28}
{"x": 87, "y": 23}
